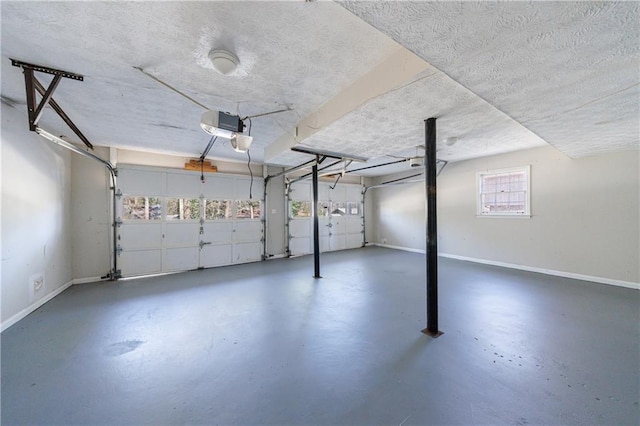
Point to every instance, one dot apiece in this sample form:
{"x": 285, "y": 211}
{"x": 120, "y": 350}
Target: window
{"x": 353, "y": 209}
{"x": 183, "y": 208}
{"x": 338, "y": 209}
{"x": 323, "y": 208}
{"x": 217, "y": 209}
{"x": 504, "y": 192}
{"x": 300, "y": 209}
{"x": 141, "y": 208}
{"x": 247, "y": 209}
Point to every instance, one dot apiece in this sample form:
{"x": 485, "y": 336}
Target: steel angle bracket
{"x": 32, "y": 85}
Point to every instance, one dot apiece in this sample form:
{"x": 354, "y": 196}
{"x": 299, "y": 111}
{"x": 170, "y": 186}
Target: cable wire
{"x": 249, "y": 164}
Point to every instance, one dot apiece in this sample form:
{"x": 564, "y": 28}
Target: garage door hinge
{"x": 118, "y": 222}
{"x": 118, "y": 250}
{"x": 118, "y": 193}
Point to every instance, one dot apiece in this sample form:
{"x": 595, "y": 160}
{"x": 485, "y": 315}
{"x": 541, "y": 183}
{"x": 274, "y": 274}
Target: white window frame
{"x": 527, "y": 210}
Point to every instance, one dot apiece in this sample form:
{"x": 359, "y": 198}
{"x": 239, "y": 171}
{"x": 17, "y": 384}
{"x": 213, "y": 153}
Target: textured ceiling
{"x": 499, "y": 76}
{"x": 293, "y": 54}
{"x": 567, "y": 71}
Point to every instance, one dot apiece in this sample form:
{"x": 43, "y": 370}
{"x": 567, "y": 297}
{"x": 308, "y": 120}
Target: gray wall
{"x": 36, "y": 217}
{"x": 585, "y": 215}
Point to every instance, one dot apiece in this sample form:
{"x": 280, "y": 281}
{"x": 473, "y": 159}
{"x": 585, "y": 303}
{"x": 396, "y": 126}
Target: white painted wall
{"x": 90, "y": 215}
{"x": 141, "y": 158}
{"x": 36, "y": 217}
{"x": 585, "y": 215}
{"x": 276, "y": 214}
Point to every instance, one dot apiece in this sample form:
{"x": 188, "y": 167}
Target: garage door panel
{"x": 245, "y": 232}
{"x": 353, "y": 223}
{"x": 338, "y": 194}
{"x": 353, "y": 192}
{"x": 247, "y": 252}
{"x": 215, "y": 255}
{"x": 218, "y": 232}
{"x": 140, "y": 235}
{"x": 338, "y": 242}
{"x": 182, "y": 234}
{"x": 244, "y": 188}
{"x": 183, "y": 185}
{"x": 298, "y": 246}
{"x": 174, "y": 245}
{"x": 300, "y": 191}
{"x": 181, "y": 259}
{"x": 323, "y": 191}
{"x": 141, "y": 182}
{"x": 354, "y": 240}
{"x": 325, "y": 243}
{"x": 338, "y": 226}
{"x": 141, "y": 262}
{"x": 299, "y": 228}
{"x": 219, "y": 187}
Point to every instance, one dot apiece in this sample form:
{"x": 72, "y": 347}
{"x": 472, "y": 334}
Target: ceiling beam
{"x": 395, "y": 70}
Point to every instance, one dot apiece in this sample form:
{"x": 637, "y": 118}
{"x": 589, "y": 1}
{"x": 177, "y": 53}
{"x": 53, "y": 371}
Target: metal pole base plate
{"x": 432, "y": 334}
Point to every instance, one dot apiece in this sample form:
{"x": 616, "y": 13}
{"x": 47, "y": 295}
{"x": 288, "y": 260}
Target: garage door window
{"x": 141, "y": 208}
{"x": 246, "y": 209}
{"x": 300, "y": 209}
{"x": 338, "y": 209}
{"x": 323, "y": 208}
{"x": 217, "y": 210}
{"x": 183, "y": 208}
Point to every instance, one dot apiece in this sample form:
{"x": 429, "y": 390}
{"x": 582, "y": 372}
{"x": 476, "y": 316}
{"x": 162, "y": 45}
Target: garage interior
{"x": 216, "y": 212}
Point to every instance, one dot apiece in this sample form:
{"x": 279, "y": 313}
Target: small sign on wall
{"x": 36, "y": 287}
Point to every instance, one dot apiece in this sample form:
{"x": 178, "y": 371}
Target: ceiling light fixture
{"x": 223, "y": 61}
{"x": 241, "y": 143}
{"x": 226, "y": 126}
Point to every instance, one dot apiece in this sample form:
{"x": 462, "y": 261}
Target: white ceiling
{"x": 499, "y": 76}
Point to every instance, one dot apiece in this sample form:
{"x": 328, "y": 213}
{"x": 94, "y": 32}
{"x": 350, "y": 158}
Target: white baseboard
{"x": 88, "y": 280}
{"x": 276, "y": 256}
{"x": 26, "y": 311}
{"x": 590, "y": 278}
{"x": 412, "y": 250}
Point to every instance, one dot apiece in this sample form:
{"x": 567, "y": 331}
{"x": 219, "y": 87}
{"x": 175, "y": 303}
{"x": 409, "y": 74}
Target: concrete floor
{"x": 265, "y": 343}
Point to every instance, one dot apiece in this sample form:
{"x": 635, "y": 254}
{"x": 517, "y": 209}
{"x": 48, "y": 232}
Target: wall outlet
{"x": 36, "y": 286}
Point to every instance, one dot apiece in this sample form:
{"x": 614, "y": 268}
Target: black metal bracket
{"x": 32, "y": 85}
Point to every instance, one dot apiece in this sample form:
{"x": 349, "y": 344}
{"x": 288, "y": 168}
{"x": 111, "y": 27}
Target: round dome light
{"x": 223, "y": 61}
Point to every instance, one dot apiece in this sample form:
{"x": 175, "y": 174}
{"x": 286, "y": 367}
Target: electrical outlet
{"x": 36, "y": 286}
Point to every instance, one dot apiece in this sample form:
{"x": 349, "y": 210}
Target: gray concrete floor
{"x": 265, "y": 343}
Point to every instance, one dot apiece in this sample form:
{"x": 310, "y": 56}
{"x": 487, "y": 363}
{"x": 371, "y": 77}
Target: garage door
{"x": 340, "y": 217}
{"x": 170, "y": 221}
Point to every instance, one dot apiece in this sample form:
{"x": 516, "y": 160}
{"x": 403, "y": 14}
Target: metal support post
{"x": 432, "y": 229}
{"x": 316, "y": 226}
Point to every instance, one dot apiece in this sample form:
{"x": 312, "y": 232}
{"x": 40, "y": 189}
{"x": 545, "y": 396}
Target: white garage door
{"x": 170, "y": 221}
{"x": 340, "y": 217}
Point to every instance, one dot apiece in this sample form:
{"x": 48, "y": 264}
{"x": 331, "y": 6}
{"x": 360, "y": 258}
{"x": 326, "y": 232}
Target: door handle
{"x": 202, "y": 243}
{"x": 329, "y": 226}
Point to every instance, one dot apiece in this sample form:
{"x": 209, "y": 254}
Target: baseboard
{"x": 38, "y": 303}
{"x": 88, "y": 280}
{"x": 412, "y": 250}
{"x": 590, "y": 278}
{"x": 276, "y": 256}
